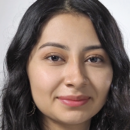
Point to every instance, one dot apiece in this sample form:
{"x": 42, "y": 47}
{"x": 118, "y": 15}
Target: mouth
{"x": 73, "y": 101}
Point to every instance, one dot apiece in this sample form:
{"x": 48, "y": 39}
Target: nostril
{"x": 69, "y": 85}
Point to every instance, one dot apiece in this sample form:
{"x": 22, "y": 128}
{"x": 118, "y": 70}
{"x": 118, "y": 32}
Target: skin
{"x": 78, "y": 69}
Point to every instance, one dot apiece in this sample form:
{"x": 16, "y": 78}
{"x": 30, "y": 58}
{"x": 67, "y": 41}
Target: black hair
{"x": 16, "y": 102}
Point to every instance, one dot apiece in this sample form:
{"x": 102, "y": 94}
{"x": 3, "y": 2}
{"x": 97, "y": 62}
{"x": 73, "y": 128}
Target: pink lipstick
{"x": 74, "y": 101}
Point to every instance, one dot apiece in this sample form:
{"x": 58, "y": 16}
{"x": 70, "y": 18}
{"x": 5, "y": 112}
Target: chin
{"x": 75, "y": 119}
{"x": 74, "y": 122}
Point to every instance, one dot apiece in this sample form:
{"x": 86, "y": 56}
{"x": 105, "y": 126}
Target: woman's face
{"x": 69, "y": 72}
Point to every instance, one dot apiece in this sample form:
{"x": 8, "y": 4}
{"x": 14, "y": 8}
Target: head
{"x": 78, "y": 40}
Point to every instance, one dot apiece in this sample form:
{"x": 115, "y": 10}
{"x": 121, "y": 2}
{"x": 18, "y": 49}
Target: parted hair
{"x": 16, "y": 94}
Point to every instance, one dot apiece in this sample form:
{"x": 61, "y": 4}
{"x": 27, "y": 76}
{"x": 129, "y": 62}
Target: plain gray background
{"x": 11, "y": 12}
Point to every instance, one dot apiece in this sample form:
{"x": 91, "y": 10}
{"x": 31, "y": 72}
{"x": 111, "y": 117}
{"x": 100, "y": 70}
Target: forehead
{"x": 69, "y": 29}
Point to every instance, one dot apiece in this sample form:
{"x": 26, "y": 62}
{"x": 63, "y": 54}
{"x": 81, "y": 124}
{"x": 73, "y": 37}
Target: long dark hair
{"x": 16, "y": 102}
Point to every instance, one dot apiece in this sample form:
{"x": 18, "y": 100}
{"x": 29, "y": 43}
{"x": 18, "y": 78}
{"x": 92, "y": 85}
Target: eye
{"x": 54, "y": 58}
{"x": 94, "y": 59}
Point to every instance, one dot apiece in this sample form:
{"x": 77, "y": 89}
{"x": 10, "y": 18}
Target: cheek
{"x": 43, "y": 81}
{"x": 101, "y": 80}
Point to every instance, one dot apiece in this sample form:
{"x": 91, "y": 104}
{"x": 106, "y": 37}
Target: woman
{"x": 67, "y": 70}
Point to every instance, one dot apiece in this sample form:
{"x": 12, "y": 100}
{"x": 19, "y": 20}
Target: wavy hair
{"x": 16, "y": 101}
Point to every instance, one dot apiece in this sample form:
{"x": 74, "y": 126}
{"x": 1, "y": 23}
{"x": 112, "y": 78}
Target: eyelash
{"x": 92, "y": 59}
{"x": 54, "y": 56}
{"x": 96, "y": 59}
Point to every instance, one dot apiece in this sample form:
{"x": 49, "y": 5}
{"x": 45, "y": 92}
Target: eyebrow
{"x": 55, "y": 45}
{"x": 94, "y": 47}
{"x": 58, "y": 45}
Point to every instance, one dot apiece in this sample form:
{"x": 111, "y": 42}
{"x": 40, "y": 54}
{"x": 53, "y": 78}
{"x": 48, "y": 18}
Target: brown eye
{"x": 94, "y": 59}
{"x": 54, "y": 58}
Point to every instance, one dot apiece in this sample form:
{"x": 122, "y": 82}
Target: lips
{"x": 74, "y": 101}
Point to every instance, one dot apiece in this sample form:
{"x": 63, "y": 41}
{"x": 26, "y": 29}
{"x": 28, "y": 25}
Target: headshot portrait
{"x": 66, "y": 67}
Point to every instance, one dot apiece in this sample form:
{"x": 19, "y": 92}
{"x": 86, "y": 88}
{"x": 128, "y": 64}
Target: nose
{"x": 75, "y": 76}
